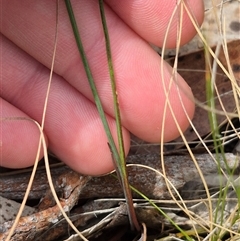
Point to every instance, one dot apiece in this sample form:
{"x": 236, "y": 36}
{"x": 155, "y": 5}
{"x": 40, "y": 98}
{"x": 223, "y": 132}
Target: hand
{"x": 73, "y": 128}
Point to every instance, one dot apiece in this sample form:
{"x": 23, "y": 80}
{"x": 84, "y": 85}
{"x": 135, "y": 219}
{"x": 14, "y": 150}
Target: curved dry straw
{"x": 182, "y": 4}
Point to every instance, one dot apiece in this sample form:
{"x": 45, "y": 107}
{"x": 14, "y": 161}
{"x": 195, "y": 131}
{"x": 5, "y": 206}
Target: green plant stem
{"x": 210, "y": 97}
{"x": 90, "y": 79}
{"x": 119, "y": 160}
{"x": 120, "y": 164}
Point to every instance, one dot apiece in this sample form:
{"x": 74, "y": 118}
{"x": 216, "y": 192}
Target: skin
{"x": 73, "y": 128}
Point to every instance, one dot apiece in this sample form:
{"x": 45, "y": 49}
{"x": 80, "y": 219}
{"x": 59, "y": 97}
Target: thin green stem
{"x": 121, "y": 163}
{"x": 90, "y": 79}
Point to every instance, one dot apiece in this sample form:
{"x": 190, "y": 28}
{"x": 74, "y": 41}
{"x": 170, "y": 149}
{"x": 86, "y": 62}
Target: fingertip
{"x": 86, "y": 150}
{"x": 193, "y": 16}
{"x": 179, "y": 119}
{"x": 152, "y": 18}
{"x": 20, "y": 138}
{"x": 177, "y": 22}
{"x": 181, "y": 105}
{"x": 99, "y": 161}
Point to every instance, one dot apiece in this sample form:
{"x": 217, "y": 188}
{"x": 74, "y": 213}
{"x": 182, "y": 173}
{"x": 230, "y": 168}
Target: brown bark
{"x": 72, "y": 186}
{"x": 179, "y": 170}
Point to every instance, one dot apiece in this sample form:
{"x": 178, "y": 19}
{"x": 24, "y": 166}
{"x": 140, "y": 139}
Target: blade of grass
{"x": 211, "y": 115}
{"x": 90, "y": 78}
{"x": 155, "y": 206}
{"x": 164, "y": 214}
{"x": 119, "y": 159}
{"x": 121, "y": 163}
{"x": 210, "y": 90}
